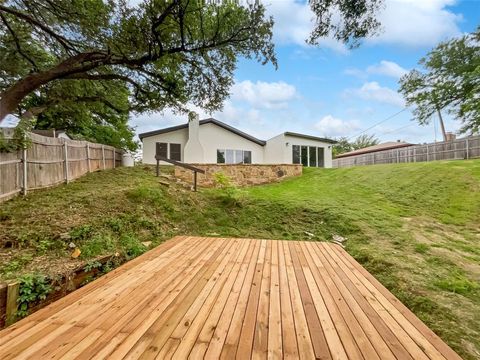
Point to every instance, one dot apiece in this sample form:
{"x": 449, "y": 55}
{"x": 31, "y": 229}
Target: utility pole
{"x": 442, "y": 125}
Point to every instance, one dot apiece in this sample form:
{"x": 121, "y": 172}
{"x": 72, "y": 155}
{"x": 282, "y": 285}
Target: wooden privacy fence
{"x": 51, "y": 161}
{"x": 459, "y": 149}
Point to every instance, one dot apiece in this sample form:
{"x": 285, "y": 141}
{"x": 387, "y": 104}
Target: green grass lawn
{"x": 416, "y": 227}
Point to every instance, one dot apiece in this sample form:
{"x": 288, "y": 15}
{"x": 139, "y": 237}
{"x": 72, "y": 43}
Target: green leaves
{"x": 33, "y": 288}
{"x": 84, "y": 66}
{"x": 347, "y": 21}
{"x": 450, "y": 81}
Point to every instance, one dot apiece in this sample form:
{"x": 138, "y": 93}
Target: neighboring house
{"x": 375, "y": 148}
{"x": 211, "y": 141}
{"x": 61, "y": 134}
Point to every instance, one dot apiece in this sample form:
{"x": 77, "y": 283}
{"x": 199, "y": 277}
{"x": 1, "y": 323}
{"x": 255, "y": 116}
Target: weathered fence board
{"x": 51, "y": 161}
{"x": 458, "y": 149}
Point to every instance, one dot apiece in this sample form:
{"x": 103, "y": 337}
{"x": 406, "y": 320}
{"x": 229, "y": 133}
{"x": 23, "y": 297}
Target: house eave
{"x": 310, "y": 137}
{"x": 204, "y": 122}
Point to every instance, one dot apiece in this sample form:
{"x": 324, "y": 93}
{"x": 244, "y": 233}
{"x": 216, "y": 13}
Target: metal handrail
{"x": 181, "y": 164}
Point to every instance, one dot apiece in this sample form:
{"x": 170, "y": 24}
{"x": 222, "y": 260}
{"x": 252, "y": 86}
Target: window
{"x": 321, "y": 157}
{"x": 247, "y": 157}
{"x": 308, "y": 155}
{"x": 304, "y": 155}
{"x": 175, "y": 153}
{"x": 238, "y": 156}
{"x": 169, "y": 151}
{"x": 220, "y": 156}
{"x": 161, "y": 149}
{"x": 296, "y": 154}
{"x": 229, "y": 156}
{"x": 312, "y": 150}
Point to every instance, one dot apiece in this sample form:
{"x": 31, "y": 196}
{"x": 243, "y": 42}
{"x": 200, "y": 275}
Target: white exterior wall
{"x": 293, "y": 140}
{"x": 213, "y": 137}
{"x": 193, "y": 151}
{"x": 176, "y": 137}
{"x": 276, "y": 151}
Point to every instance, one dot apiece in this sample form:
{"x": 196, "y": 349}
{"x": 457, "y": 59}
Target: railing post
{"x": 103, "y": 156}
{"x": 65, "y": 158}
{"x": 25, "y": 180}
{"x": 88, "y": 158}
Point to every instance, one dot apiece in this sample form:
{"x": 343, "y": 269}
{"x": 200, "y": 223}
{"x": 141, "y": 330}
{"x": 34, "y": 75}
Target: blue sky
{"x": 333, "y": 91}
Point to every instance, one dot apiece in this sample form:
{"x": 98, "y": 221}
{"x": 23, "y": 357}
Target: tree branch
{"x": 62, "y": 40}
{"x": 17, "y": 43}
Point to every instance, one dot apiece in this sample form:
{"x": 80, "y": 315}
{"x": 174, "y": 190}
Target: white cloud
{"x": 294, "y": 21}
{"x": 417, "y": 23}
{"x": 387, "y": 68}
{"x": 334, "y": 127}
{"x": 261, "y": 94}
{"x": 374, "y": 91}
{"x": 412, "y": 23}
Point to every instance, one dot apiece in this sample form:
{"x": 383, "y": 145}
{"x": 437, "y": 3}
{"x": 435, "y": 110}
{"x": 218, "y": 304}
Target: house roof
{"x": 231, "y": 129}
{"x": 389, "y": 145}
{"x": 203, "y": 122}
{"x": 310, "y": 137}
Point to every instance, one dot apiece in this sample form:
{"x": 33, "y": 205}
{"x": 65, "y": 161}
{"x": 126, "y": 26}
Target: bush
{"x": 33, "y": 288}
{"x": 228, "y": 191}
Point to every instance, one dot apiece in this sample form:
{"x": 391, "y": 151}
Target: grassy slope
{"x": 415, "y": 227}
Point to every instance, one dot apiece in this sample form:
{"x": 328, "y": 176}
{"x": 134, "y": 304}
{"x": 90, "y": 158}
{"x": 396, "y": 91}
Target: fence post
{"x": 103, "y": 156}
{"x": 88, "y": 158}
{"x": 12, "y": 304}
{"x": 467, "y": 148}
{"x": 114, "y": 151}
{"x": 24, "y": 161}
{"x": 428, "y": 157}
{"x": 65, "y": 156}
{"x": 398, "y": 156}
{"x": 414, "y": 154}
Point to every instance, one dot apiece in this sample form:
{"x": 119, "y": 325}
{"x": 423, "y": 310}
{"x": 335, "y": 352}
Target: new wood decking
{"x": 225, "y": 298}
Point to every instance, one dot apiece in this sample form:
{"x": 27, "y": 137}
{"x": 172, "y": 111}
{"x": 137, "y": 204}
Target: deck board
{"x": 216, "y": 298}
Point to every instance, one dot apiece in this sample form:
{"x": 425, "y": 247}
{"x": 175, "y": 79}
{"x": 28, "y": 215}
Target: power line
{"x": 400, "y": 128}
{"x": 378, "y": 123}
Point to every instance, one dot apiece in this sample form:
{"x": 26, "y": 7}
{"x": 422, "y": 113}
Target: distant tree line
{"x": 362, "y": 141}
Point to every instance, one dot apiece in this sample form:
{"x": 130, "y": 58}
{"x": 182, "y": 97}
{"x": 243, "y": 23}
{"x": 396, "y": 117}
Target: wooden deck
{"x": 225, "y": 298}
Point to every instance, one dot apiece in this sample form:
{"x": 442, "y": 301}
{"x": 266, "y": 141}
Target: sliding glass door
{"x": 310, "y": 156}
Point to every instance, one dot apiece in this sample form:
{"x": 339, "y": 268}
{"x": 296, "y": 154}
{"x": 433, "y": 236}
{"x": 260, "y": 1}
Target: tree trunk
{"x": 13, "y": 96}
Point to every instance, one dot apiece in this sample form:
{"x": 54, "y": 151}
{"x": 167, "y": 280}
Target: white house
{"x": 210, "y": 141}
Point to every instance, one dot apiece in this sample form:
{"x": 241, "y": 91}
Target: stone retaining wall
{"x": 240, "y": 174}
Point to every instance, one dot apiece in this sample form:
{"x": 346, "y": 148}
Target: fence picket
{"x": 47, "y": 162}
{"x": 446, "y": 150}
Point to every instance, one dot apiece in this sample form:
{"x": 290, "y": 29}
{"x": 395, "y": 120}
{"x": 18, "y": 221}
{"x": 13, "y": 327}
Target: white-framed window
{"x": 229, "y": 156}
{"x": 169, "y": 150}
{"x": 308, "y": 155}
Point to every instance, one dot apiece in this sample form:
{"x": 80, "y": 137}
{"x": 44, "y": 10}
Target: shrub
{"x": 33, "y": 288}
{"x": 228, "y": 191}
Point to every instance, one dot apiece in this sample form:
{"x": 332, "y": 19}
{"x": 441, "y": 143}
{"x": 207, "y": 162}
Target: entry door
{"x": 304, "y": 155}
